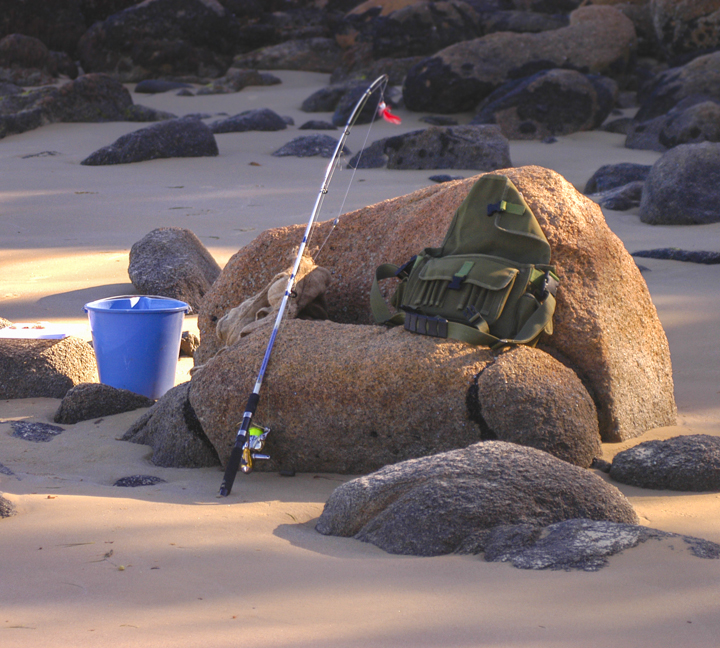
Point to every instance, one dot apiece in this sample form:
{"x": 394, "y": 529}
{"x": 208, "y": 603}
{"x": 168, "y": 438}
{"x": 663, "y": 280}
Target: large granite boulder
{"x": 184, "y": 137}
{"x": 686, "y": 27}
{"x": 172, "y": 262}
{"x": 44, "y": 368}
{"x": 527, "y": 397}
{"x": 549, "y": 103}
{"x": 161, "y": 38}
{"x": 606, "y": 326}
{"x": 481, "y": 147}
{"x": 437, "y": 505}
{"x": 682, "y": 186}
{"x": 419, "y": 397}
{"x": 599, "y": 40}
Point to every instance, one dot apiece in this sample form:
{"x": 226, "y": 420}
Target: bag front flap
{"x": 482, "y": 271}
{"x": 494, "y": 220}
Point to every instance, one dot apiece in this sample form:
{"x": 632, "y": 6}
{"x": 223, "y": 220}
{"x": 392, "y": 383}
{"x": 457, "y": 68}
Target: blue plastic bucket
{"x": 137, "y": 341}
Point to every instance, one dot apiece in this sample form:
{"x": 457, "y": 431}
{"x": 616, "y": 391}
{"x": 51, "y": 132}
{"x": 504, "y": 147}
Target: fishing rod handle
{"x": 236, "y": 455}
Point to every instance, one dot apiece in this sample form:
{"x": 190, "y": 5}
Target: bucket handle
{"x": 188, "y": 310}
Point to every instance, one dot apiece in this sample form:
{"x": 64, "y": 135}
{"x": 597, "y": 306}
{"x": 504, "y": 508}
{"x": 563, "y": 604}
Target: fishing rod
{"x": 250, "y": 438}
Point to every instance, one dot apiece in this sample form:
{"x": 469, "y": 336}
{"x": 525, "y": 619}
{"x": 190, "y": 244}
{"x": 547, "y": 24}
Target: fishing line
{"x": 380, "y": 111}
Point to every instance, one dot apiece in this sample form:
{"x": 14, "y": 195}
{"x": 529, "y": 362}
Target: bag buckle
{"x": 404, "y": 269}
{"x": 426, "y": 325}
{"x": 548, "y": 285}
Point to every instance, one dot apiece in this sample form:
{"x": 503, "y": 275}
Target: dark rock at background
{"x": 694, "y": 119}
{"x": 236, "y": 79}
{"x": 89, "y": 98}
{"x": 599, "y": 40}
{"x": 621, "y": 198}
{"x": 94, "y": 400}
{"x": 418, "y": 29}
{"x": 682, "y": 187}
{"x": 551, "y": 102}
{"x": 172, "y": 262}
{"x": 155, "y": 86}
{"x": 612, "y": 176}
{"x": 348, "y": 101}
{"x": 700, "y": 78}
{"x": 310, "y": 146}
{"x": 676, "y": 254}
{"x": 161, "y": 38}
{"x": 138, "y": 113}
{"x": 259, "y": 119}
{"x": 355, "y": 68}
{"x": 480, "y": 147}
{"x": 522, "y": 21}
{"x": 444, "y": 177}
{"x": 170, "y": 138}
{"x": 317, "y": 124}
{"x": 325, "y": 99}
{"x": 686, "y": 27}
{"x": 59, "y": 23}
{"x": 309, "y": 55}
{"x": 682, "y": 463}
{"x": 697, "y": 123}
{"x": 20, "y": 51}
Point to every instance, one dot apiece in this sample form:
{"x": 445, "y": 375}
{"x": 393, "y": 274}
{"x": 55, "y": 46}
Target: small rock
{"x": 309, "y": 146}
{"x": 167, "y": 139}
{"x": 578, "y": 544}
{"x": 682, "y": 187}
{"x": 682, "y": 463}
{"x": 93, "y": 400}
{"x": 35, "y": 432}
{"x": 139, "y": 480}
{"x": 189, "y": 342}
{"x": 156, "y": 86}
{"x": 676, "y": 254}
{"x": 172, "y": 429}
{"x": 7, "y": 508}
{"x": 612, "y": 176}
{"x": 261, "y": 119}
{"x": 317, "y": 124}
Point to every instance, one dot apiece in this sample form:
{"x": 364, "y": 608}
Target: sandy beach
{"x": 84, "y": 563}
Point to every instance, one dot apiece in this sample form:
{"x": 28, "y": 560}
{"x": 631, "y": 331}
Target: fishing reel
{"x": 254, "y": 443}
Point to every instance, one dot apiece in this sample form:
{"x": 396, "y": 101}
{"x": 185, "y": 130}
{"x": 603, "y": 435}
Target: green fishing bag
{"x": 489, "y": 283}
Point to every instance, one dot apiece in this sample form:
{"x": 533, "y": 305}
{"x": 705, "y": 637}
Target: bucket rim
{"x": 173, "y": 305}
